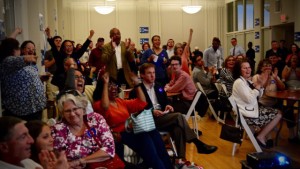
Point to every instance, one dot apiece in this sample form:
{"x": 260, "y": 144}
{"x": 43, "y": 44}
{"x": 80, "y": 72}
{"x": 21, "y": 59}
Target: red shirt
{"x": 116, "y": 116}
{"x": 95, "y": 59}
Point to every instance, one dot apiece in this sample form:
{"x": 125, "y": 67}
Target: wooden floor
{"x": 222, "y": 158}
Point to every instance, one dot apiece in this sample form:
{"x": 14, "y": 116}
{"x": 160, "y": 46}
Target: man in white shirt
{"x": 213, "y": 56}
{"x": 117, "y": 57}
{"x": 15, "y": 143}
{"x": 170, "y": 48}
{"x": 236, "y": 50}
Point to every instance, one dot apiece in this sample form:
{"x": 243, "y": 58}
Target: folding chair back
{"x": 210, "y": 106}
{"x": 192, "y": 110}
{"x": 235, "y": 108}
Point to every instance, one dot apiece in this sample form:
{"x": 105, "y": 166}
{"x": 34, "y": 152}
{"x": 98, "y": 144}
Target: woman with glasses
{"x": 85, "y": 138}
{"x": 22, "y": 90}
{"x": 116, "y": 111}
{"x": 246, "y": 93}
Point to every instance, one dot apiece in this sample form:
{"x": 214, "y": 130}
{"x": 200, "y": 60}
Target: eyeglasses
{"x": 69, "y": 111}
{"x": 112, "y": 85}
{"x": 175, "y": 64}
{"x": 79, "y": 77}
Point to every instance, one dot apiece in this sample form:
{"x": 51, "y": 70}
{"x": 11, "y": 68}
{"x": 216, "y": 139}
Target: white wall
{"x": 163, "y": 17}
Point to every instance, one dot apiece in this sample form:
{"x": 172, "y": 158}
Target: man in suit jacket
{"x": 116, "y": 57}
{"x": 164, "y": 117}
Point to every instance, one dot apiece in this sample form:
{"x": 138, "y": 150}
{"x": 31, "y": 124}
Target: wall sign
{"x": 256, "y": 48}
{"x": 297, "y": 36}
{"x": 256, "y": 21}
{"x": 256, "y": 35}
{"x": 143, "y": 40}
{"x": 144, "y": 29}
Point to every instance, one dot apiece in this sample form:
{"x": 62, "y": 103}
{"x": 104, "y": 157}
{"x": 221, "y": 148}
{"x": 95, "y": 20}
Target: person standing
{"x": 213, "y": 55}
{"x": 250, "y": 55}
{"x": 236, "y": 50}
{"x": 116, "y": 57}
{"x": 95, "y": 56}
{"x": 170, "y": 48}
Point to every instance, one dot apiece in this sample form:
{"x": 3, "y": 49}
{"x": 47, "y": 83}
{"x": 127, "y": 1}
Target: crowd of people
{"x": 90, "y": 132}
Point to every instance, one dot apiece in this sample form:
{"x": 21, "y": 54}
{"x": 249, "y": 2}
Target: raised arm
{"x": 187, "y": 47}
{"x": 15, "y": 33}
{"x": 104, "y": 98}
{"x": 137, "y": 87}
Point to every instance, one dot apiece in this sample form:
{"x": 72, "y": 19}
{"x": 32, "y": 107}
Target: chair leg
{"x": 234, "y": 148}
{"x": 278, "y": 132}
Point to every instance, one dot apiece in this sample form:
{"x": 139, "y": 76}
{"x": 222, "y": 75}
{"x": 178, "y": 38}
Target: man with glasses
{"x": 183, "y": 84}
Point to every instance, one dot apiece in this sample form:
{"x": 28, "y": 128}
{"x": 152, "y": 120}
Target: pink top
{"x": 77, "y": 147}
{"x": 183, "y": 83}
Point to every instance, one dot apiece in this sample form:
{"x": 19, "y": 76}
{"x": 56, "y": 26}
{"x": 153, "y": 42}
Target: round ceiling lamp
{"x": 104, "y": 10}
{"x": 191, "y": 9}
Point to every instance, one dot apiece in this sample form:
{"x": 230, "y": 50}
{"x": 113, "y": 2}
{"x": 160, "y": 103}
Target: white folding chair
{"x": 210, "y": 106}
{"x": 220, "y": 89}
{"x": 172, "y": 153}
{"x": 235, "y": 108}
{"x": 195, "y": 114}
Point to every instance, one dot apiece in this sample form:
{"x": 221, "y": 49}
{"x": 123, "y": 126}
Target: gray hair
{"x": 79, "y": 101}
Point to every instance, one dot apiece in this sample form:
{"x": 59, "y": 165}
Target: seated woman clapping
{"x": 246, "y": 93}
{"x": 116, "y": 111}
{"x": 84, "y": 141}
{"x": 42, "y": 148}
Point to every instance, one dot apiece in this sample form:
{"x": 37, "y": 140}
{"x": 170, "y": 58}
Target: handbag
{"x": 141, "y": 122}
{"x": 112, "y": 163}
{"x": 232, "y": 133}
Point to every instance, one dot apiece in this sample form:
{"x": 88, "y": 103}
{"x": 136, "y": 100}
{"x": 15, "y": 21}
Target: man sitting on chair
{"x": 164, "y": 116}
{"x": 183, "y": 83}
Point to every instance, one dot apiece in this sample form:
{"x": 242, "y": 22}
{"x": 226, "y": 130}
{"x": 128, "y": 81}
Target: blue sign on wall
{"x": 256, "y": 48}
{"x": 256, "y": 35}
{"x": 144, "y": 29}
{"x": 256, "y": 22}
{"x": 297, "y": 37}
{"x": 143, "y": 40}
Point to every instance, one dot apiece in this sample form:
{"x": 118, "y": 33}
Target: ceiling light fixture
{"x": 191, "y": 9}
{"x": 104, "y": 10}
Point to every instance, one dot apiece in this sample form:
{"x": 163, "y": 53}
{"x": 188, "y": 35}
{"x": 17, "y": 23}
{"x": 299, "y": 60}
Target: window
{"x": 240, "y": 15}
{"x": 7, "y": 24}
{"x": 266, "y": 13}
{"x": 230, "y": 17}
{"x": 249, "y": 14}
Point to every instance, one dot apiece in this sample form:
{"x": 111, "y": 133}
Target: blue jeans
{"x": 150, "y": 147}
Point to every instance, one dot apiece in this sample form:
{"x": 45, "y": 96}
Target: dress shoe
{"x": 270, "y": 143}
{"x": 262, "y": 144}
{"x": 206, "y": 149}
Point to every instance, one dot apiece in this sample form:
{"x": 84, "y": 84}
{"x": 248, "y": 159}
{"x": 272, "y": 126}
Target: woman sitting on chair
{"x": 85, "y": 138}
{"x": 149, "y": 145}
{"x": 245, "y": 93}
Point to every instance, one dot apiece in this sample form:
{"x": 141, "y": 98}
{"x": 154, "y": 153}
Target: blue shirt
{"x": 22, "y": 90}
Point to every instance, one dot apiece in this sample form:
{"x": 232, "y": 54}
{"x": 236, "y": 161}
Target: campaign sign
{"x": 256, "y": 48}
{"x": 143, "y": 40}
{"x": 144, "y": 29}
{"x": 256, "y": 35}
{"x": 297, "y": 36}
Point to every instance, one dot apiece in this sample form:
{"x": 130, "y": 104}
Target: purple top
{"x": 77, "y": 147}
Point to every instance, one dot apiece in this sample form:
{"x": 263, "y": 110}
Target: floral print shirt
{"x": 22, "y": 90}
{"x": 77, "y": 147}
